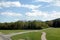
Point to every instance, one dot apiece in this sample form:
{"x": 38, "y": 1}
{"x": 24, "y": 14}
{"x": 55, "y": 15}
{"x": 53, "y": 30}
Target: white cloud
{"x": 31, "y": 6}
{"x": 52, "y": 15}
{"x": 37, "y": 13}
{"x": 55, "y": 14}
{"x": 43, "y": 0}
{"x": 18, "y": 4}
{"x": 52, "y": 2}
{"x": 56, "y": 3}
{"x": 10, "y": 4}
{"x": 11, "y": 14}
{"x": 43, "y": 15}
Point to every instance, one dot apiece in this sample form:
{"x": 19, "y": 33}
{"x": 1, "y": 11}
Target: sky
{"x": 25, "y": 10}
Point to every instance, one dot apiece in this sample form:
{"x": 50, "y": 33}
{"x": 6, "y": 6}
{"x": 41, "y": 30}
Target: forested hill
{"x": 54, "y": 23}
{"x": 30, "y": 24}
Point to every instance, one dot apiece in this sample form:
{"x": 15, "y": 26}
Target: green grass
{"x": 30, "y": 36}
{"x": 10, "y": 31}
{"x": 52, "y": 34}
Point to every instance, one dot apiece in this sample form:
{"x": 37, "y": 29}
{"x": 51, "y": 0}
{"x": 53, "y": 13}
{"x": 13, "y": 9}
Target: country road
{"x": 8, "y": 36}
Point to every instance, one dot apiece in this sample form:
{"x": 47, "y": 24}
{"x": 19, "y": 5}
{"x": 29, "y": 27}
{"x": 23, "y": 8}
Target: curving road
{"x": 8, "y": 36}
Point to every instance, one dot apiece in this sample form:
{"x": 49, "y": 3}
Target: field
{"x": 51, "y": 34}
{"x": 10, "y": 31}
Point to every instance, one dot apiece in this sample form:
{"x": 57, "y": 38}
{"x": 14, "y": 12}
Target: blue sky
{"x": 14, "y": 10}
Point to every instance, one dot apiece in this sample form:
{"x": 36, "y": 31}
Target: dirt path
{"x": 13, "y": 34}
{"x": 43, "y": 36}
{"x": 8, "y": 36}
{"x": 3, "y": 37}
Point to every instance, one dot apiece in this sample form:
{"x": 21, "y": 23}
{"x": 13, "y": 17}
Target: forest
{"x": 28, "y": 25}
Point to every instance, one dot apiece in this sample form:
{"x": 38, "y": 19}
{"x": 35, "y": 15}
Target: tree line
{"x": 54, "y": 23}
{"x": 29, "y": 25}
{"x": 23, "y": 25}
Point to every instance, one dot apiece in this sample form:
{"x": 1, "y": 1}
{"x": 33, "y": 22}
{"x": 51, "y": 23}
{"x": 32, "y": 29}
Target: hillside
{"x": 54, "y": 23}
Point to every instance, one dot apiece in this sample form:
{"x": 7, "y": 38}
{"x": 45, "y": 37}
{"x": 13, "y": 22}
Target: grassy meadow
{"x": 10, "y": 31}
{"x": 51, "y": 34}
